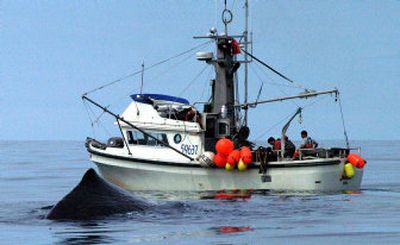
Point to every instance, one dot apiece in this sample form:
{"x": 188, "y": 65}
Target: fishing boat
{"x": 167, "y": 144}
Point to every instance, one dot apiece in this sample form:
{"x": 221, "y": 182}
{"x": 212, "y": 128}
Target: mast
{"x": 223, "y": 97}
{"x": 245, "y": 34}
{"x": 221, "y": 113}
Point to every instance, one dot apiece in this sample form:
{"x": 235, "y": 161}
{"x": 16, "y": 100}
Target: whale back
{"x": 94, "y": 197}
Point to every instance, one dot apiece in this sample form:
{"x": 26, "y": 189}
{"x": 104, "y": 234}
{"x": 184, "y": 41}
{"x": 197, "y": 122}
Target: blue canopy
{"x": 147, "y": 98}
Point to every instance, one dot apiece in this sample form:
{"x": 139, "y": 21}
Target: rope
{"x": 98, "y": 122}
{"x": 194, "y": 79}
{"x": 273, "y": 80}
{"x": 344, "y": 127}
{"x": 169, "y": 68}
{"x": 270, "y": 68}
{"x": 283, "y": 92}
{"x": 205, "y": 85}
{"x": 147, "y": 68}
{"x": 90, "y": 118}
{"x": 273, "y": 126}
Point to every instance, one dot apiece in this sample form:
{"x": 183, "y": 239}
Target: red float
{"x": 247, "y": 159}
{"x": 220, "y": 160}
{"x": 246, "y": 155}
{"x": 224, "y": 146}
{"x": 356, "y": 160}
{"x": 234, "y": 157}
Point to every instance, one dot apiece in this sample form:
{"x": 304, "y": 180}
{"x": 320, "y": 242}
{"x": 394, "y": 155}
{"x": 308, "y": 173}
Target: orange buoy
{"x": 224, "y": 146}
{"x": 245, "y": 151}
{"x": 246, "y": 155}
{"x": 234, "y": 157}
{"x": 220, "y": 160}
{"x": 356, "y": 160}
{"x": 247, "y": 159}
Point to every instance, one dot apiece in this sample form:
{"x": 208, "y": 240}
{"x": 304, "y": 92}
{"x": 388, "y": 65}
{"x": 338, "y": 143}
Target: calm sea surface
{"x": 36, "y": 174}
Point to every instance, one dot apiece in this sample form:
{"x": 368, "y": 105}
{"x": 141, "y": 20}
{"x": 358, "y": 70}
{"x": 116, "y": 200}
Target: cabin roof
{"x": 150, "y": 98}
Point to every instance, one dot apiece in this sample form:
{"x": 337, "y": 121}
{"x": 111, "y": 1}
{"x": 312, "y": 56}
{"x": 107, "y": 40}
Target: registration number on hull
{"x": 189, "y": 149}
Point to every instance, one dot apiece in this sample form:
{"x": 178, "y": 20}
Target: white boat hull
{"x": 321, "y": 175}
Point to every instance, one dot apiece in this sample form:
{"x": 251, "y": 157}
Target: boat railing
{"x": 313, "y": 153}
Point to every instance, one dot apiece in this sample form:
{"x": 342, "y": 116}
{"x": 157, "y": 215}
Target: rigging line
{"x": 273, "y": 126}
{"x": 99, "y": 122}
{"x": 194, "y": 79}
{"x": 119, "y": 98}
{"x": 269, "y": 67}
{"x": 147, "y": 68}
{"x": 314, "y": 102}
{"x": 85, "y": 105}
{"x": 282, "y": 91}
{"x": 101, "y": 114}
{"x": 344, "y": 127}
{"x": 206, "y": 84}
{"x": 87, "y": 111}
{"x": 272, "y": 81}
{"x": 154, "y": 77}
{"x": 172, "y": 66}
{"x": 259, "y": 92}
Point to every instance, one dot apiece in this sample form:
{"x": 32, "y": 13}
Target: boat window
{"x": 223, "y": 128}
{"x": 138, "y": 138}
{"x": 177, "y": 138}
{"x": 129, "y": 136}
{"x": 160, "y": 136}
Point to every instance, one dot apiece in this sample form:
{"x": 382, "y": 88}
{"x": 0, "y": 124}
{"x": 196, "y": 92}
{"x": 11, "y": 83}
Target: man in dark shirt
{"x": 290, "y": 148}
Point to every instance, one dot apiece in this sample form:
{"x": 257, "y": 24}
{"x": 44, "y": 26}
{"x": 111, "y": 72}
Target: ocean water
{"x": 34, "y": 175}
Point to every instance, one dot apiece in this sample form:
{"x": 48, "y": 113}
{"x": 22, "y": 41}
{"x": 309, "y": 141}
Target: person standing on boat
{"x": 272, "y": 152}
{"x": 308, "y": 142}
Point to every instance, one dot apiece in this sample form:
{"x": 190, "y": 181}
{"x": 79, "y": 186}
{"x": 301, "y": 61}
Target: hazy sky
{"x": 53, "y": 51}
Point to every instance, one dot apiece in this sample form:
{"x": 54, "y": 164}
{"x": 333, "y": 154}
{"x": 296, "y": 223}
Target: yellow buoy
{"x": 349, "y": 170}
{"x": 229, "y": 167}
{"x": 241, "y": 165}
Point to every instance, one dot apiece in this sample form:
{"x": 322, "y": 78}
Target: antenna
{"x": 227, "y": 17}
{"x": 141, "y": 82}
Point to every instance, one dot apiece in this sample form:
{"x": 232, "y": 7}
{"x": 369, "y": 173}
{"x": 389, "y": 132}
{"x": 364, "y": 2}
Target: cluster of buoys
{"x": 227, "y": 157}
{"x": 354, "y": 161}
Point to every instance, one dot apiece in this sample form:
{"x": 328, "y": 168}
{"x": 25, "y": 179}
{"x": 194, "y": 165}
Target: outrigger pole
{"x": 117, "y": 117}
{"x": 300, "y": 96}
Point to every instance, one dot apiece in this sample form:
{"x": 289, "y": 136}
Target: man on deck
{"x": 276, "y": 144}
{"x": 308, "y": 141}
